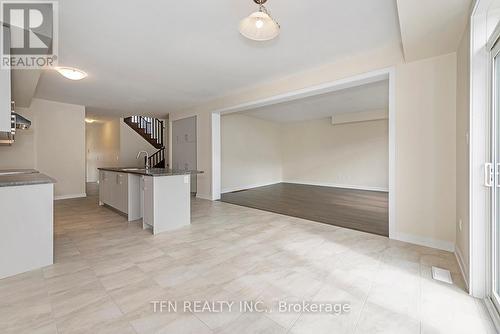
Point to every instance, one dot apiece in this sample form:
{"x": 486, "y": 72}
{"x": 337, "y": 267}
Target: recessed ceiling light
{"x": 71, "y": 73}
{"x": 89, "y": 120}
{"x": 260, "y": 26}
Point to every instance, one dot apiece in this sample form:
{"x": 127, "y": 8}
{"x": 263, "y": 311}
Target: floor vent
{"x": 441, "y": 275}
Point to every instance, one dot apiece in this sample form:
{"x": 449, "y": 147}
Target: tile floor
{"x": 108, "y": 271}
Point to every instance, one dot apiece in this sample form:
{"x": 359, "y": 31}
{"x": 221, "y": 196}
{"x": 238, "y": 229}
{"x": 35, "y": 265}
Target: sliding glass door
{"x": 493, "y": 177}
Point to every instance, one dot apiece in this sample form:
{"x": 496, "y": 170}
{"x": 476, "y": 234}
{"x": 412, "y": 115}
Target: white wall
{"x": 425, "y": 133}
{"x": 54, "y": 145}
{"x": 103, "y": 146}
{"x": 251, "y": 154}
{"x": 354, "y": 155}
{"x": 462, "y": 146}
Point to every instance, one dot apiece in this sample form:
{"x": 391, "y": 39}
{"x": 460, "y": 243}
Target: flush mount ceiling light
{"x": 260, "y": 26}
{"x": 71, "y": 73}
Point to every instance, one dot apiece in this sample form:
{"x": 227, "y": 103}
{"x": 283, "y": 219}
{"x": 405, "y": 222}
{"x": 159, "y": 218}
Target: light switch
{"x": 186, "y": 179}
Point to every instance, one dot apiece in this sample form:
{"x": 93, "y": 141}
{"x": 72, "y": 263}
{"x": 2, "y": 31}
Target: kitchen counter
{"x": 23, "y": 177}
{"x": 151, "y": 171}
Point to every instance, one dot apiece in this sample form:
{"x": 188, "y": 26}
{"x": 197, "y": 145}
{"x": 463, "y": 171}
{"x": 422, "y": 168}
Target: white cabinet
{"x": 5, "y": 95}
{"x": 120, "y": 191}
{"x": 113, "y": 190}
{"x": 107, "y": 188}
{"x": 167, "y": 202}
{"x": 104, "y": 187}
{"x": 148, "y": 211}
{"x": 121, "y": 198}
{"x": 26, "y": 228}
{"x": 163, "y": 202}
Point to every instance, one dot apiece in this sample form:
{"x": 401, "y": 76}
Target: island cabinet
{"x": 148, "y": 205}
{"x": 122, "y": 192}
{"x": 167, "y": 202}
{"x": 161, "y": 197}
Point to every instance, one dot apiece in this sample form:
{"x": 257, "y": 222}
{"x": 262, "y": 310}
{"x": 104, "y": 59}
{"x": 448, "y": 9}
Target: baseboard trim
{"x": 251, "y": 186}
{"x": 60, "y": 197}
{"x": 204, "y": 196}
{"x": 423, "y": 241}
{"x": 461, "y": 264}
{"x": 342, "y": 186}
{"x": 320, "y": 184}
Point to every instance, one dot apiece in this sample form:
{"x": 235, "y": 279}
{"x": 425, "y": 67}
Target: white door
{"x": 184, "y": 146}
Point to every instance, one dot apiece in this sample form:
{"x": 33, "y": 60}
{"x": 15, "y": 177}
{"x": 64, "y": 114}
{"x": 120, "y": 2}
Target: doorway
{"x": 330, "y": 87}
{"x": 322, "y": 158}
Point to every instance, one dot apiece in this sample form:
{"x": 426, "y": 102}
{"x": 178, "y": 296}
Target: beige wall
{"x": 354, "y": 155}
{"x": 462, "y": 146}
{"x": 250, "y": 152}
{"x": 112, "y": 143}
{"x": 54, "y": 145}
{"x": 424, "y": 116}
{"x": 60, "y": 145}
{"x": 256, "y": 152}
{"x": 426, "y": 146}
{"x": 130, "y": 144}
{"x": 103, "y": 146}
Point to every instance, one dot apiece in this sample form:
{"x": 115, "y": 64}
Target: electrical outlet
{"x": 460, "y": 225}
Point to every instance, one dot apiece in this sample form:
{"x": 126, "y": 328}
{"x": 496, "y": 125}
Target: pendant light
{"x": 260, "y": 26}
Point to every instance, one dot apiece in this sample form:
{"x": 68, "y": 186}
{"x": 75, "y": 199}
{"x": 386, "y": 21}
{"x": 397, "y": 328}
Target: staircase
{"x": 151, "y": 129}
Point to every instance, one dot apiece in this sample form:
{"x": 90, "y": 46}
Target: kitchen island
{"x": 27, "y": 223}
{"x": 161, "y": 197}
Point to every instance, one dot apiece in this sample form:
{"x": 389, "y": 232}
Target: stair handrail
{"x": 150, "y": 128}
{"x": 157, "y": 157}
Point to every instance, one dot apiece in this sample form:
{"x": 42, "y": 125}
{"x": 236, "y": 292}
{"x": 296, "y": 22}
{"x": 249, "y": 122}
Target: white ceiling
{"x": 158, "y": 56}
{"x": 432, "y": 27}
{"x": 373, "y": 96}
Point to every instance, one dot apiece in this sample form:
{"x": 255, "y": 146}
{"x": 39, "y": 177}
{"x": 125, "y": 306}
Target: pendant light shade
{"x": 259, "y": 26}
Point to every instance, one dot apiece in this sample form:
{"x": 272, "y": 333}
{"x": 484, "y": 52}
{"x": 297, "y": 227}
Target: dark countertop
{"x": 23, "y": 177}
{"x": 151, "y": 171}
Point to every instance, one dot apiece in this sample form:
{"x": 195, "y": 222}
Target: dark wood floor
{"x": 360, "y": 210}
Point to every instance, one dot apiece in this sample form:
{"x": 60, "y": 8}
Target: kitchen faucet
{"x": 147, "y": 157}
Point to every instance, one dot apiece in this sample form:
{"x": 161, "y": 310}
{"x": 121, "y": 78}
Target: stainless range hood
{"x": 17, "y": 122}
{"x": 21, "y": 122}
